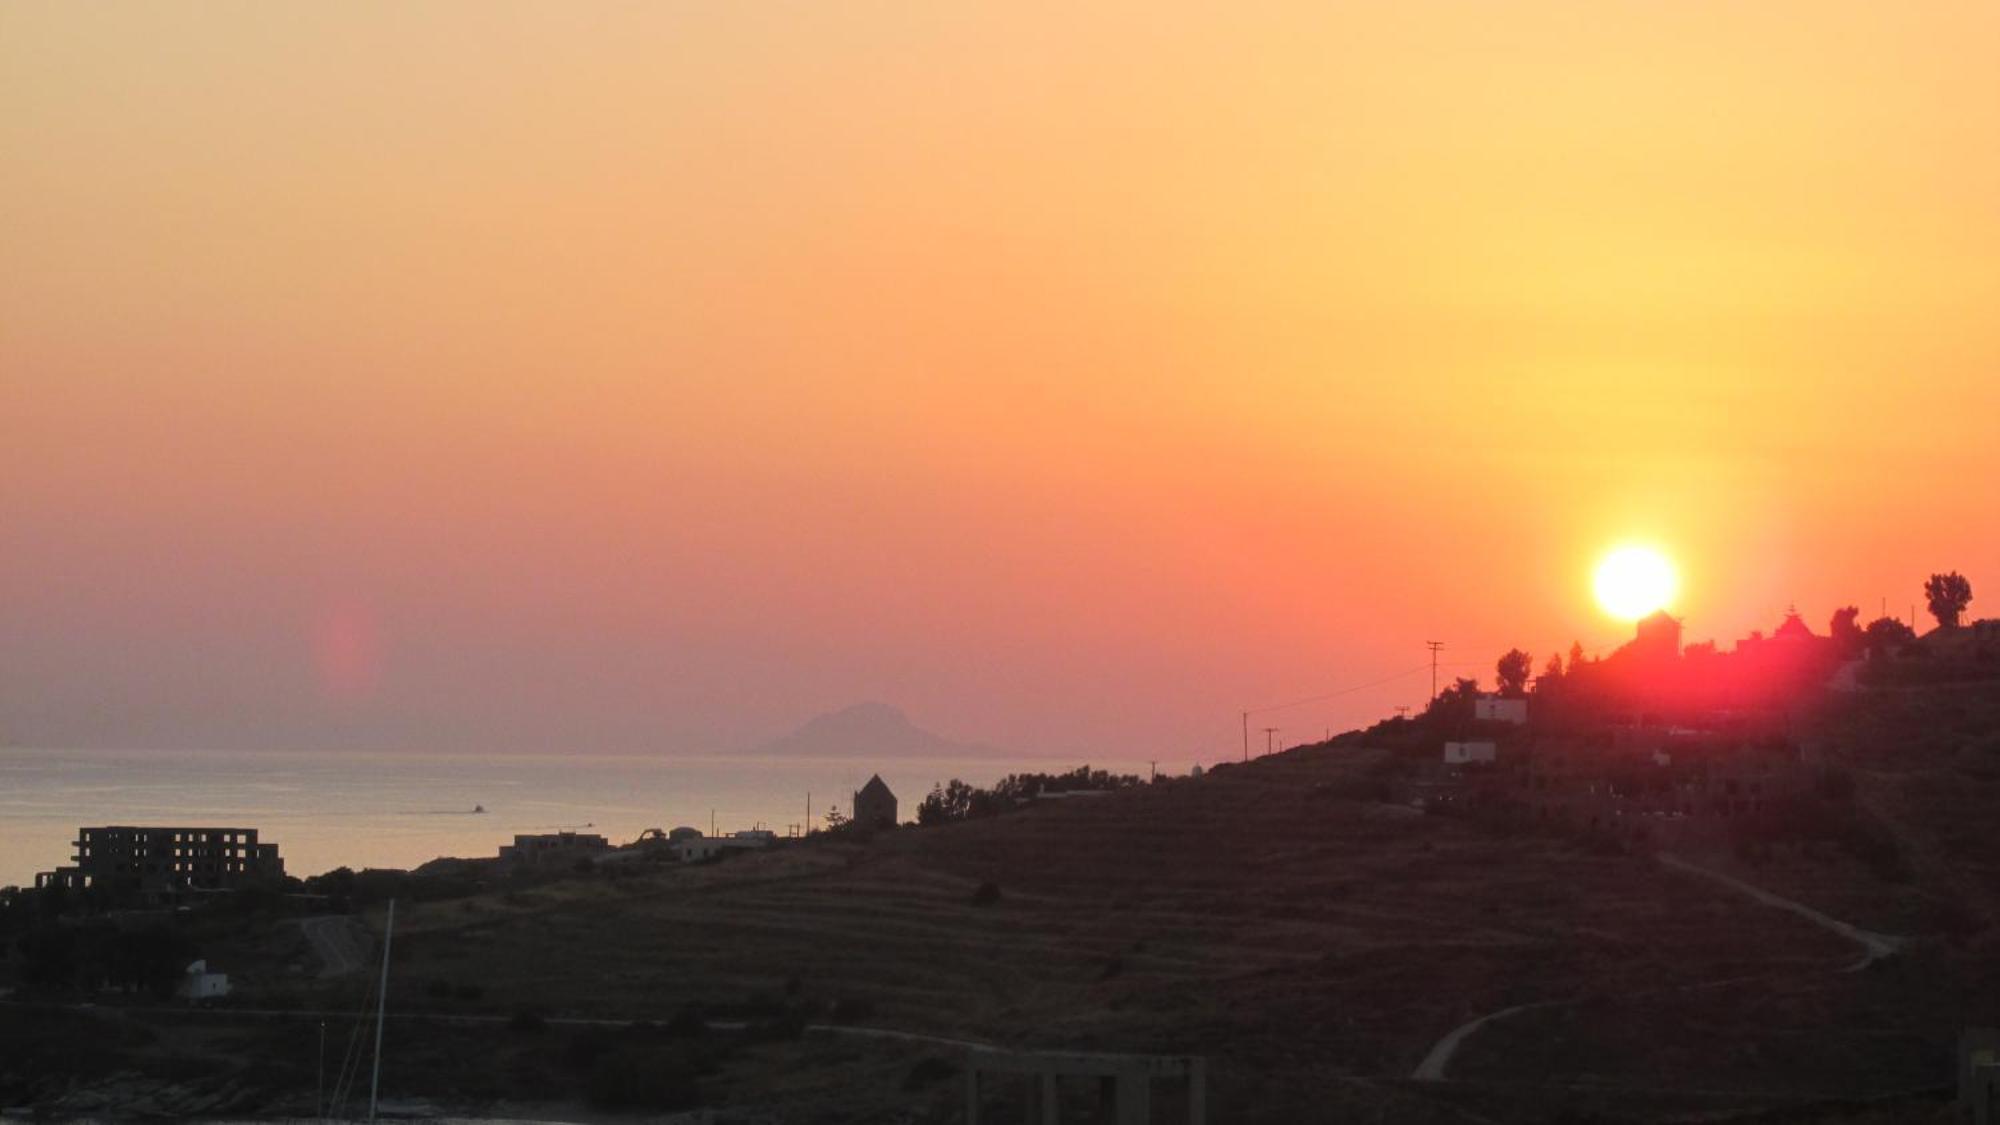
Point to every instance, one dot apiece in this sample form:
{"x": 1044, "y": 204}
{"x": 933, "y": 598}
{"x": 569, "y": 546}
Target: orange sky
{"x": 654, "y": 376}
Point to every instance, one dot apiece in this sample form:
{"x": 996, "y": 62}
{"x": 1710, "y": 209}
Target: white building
{"x": 1465, "y": 753}
{"x": 198, "y": 984}
{"x": 1500, "y": 709}
{"x": 699, "y": 849}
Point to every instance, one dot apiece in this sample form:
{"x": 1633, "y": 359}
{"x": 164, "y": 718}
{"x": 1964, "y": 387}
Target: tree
{"x": 1553, "y": 670}
{"x": 1948, "y": 595}
{"x": 1513, "y": 670}
{"x": 1847, "y": 636}
{"x": 835, "y": 820}
{"x": 1455, "y": 702}
{"x": 1575, "y": 655}
{"x": 1886, "y": 632}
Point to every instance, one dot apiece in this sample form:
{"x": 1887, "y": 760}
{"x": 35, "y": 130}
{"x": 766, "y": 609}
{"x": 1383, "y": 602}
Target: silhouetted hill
{"x": 874, "y": 730}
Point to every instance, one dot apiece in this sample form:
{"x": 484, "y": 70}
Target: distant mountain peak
{"x": 869, "y": 729}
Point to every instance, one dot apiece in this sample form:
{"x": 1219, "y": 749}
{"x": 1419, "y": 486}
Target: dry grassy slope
{"x": 1248, "y": 916}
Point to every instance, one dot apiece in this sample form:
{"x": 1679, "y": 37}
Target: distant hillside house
{"x": 874, "y": 805}
{"x": 1500, "y": 709}
{"x": 198, "y": 984}
{"x": 553, "y": 847}
{"x": 127, "y": 862}
{"x": 701, "y": 849}
{"x": 1466, "y": 753}
{"x": 1658, "y": 635}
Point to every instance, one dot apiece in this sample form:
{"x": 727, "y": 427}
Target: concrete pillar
{"x": 1135, "y": 1098}
{"x": 1197, "y": 1092}
{"x": 1051, "y": 1100}
{"x": 971, "y": 1095}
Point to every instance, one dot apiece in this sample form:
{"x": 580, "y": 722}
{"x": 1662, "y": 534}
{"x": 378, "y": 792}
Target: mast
{"x": 381, "y": 1010}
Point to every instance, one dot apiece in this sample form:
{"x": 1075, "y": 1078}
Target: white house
{"x": 1500, "y": 709}
{"x": 698, "y": 848}
{"x": 1465, "y": 753}
{"x": 198, "y": 984}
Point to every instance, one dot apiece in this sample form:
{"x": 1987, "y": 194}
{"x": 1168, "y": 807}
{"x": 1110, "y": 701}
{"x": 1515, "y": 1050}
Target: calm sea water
{"x": 399, "y": 810}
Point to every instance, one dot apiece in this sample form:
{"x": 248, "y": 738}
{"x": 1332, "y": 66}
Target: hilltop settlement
{"x": 1669, "y": 882}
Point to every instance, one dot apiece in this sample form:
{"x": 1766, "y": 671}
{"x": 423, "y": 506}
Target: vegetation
{"x": 1947, "y": 595}
{"x": 958, "y": 801}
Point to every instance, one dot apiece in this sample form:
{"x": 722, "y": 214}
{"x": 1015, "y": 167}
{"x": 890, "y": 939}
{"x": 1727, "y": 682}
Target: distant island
{"x": 874, "y": 730}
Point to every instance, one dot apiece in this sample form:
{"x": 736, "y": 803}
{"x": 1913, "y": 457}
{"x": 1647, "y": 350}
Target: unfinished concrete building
{"x": 126, "y": 862}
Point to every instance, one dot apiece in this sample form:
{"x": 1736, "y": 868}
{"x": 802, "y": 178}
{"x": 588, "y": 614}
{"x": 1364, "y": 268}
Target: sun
{"x": 1635, "y": 581}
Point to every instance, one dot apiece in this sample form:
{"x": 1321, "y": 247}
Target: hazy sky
{"x": 653, "y": 376}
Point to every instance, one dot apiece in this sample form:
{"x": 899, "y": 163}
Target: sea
{"x": 330, "y": 809}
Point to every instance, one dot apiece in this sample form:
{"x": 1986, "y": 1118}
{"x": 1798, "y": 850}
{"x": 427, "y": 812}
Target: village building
{"x": 1651, "y": 781}
{"x": 197, "y": 984}
{"x": 1657, "y": 634}
{"x": 553, "y": 847}
{"x": 125, "y": 862}
{"x": 1490, "y": 708}
{"x": 875, "y": 805}
{"x": 701, "y": 849}
{"x": 1467, "y": 753}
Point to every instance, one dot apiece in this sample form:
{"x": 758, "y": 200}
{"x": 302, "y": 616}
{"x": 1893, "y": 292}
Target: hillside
{"x": 1316, "y": 945}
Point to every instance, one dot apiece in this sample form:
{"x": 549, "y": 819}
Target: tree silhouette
{"x": 1575, "y": 655}
{"x": 1948, "y": 595}
{"x": 1847, "y": 636}
{"x": 1553, "y": 670}
{"x": 1886, "y": 631}
{"x": 1513, "y": 670}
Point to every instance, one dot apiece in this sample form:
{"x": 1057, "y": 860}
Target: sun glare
{"x": 1634, "y": 581}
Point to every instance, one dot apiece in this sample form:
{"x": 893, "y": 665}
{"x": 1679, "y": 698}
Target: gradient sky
{"x": 652, "y": 377}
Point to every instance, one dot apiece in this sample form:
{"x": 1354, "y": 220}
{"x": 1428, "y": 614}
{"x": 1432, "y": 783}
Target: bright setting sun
{"x": 1634, "y": 581}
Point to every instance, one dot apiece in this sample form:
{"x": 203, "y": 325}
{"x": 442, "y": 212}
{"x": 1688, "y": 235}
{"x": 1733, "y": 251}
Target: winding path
{"x": 1875, "y": 945}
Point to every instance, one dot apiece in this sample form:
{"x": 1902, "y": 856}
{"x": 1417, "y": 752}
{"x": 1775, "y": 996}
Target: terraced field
{"x": 1315, "y": 948}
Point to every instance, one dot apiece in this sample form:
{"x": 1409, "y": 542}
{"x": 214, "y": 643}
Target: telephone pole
{"x": 1434, "y": 646}
{"x": 1246, "y": 736}
{"x": 1269, "y": 732}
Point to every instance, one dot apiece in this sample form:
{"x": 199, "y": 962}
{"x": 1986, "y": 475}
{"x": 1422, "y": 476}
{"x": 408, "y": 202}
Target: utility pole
{"x": 1403, "y": 712}
{"x": 809, "y": 812}
{"x": 319, "y": 1099}
{"x": 1434, "y": 646}
{"x": 1269, "y": 733}
{"x": 1152, "y": 770}
{"x": 381, "y": 1010}
{"x": 1246, "y": 736}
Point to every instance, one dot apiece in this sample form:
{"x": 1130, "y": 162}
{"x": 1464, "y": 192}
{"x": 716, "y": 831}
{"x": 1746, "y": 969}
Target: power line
{"x": 1321, "y": 698}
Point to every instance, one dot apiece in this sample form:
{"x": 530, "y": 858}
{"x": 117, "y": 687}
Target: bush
{"x": 649, "y": 1080}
